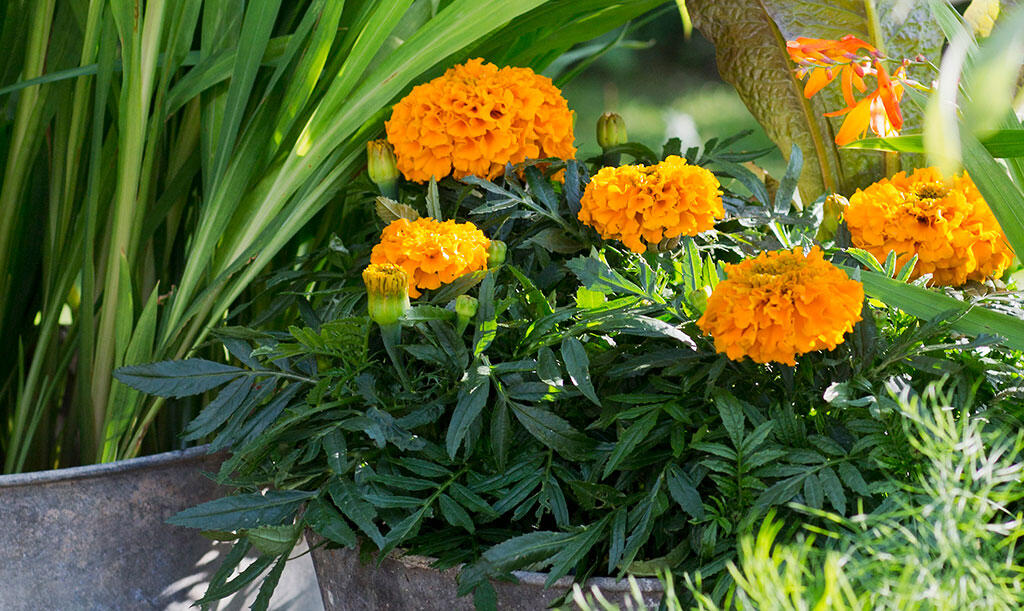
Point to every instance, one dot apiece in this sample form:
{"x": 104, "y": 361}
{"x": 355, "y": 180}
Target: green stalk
{"x": 136, "y": 97}
{"x": 24, "y": 142}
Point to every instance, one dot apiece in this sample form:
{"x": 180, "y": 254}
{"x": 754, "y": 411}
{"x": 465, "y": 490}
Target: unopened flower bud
{"x": 835, "y": 204}
{"x": 611, "y": 130}
{"x": 698, "y": 298}
{"x": 496, "y": 253}
{"x": 465, "y": 310}
{"x": 387, "y": 292}
{"x": 382, "y": 167}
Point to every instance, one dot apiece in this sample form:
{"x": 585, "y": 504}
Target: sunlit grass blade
{"x": 1001, "y": 143}
{"x": 1003, "y": 196}
{"x": 927, "y": 304}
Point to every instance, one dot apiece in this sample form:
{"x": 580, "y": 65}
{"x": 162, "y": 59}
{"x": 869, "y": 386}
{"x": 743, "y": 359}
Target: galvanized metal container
{"x": 96, "y": 537}
{"x": 408, "y": 583}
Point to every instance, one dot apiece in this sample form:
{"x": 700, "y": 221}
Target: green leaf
{"x": 336, "y": 451}
{"x": 217, "y": 412}
{"x": 454, "y": 514}
{"x": 389, "y": 210}
{"x": 595, "y": 275}
{"x": 684, "y": 493}
{"x": 486, "y": 317}
{"x": 328, "y": 523}
{"x": 1003, "y": 196}
{"x": 554, "y": 432}
{"x": 531, "y": 548}
{"x": 547, "y": 367}
{"x": 243, "y": 511}
{"x": 433, "y": 201}
{"x": 633, "y": 436}
{"x": 177, "y": 378}
{"x": 813, "y": 493}
{"x": 473, "y": 393}
{"x": 274, "y": 540}
{"x": 928, "y": 304}
{"x": 574, "y": 355}
{"x": 1000, "y": 143}
{"x": 262, "y": 602}
{"x": 853, "y": 479}
{"x": 349, "y": 501}
{"x": 731, "y": 410}
{"x": 575, "y": 548}
{"x": 833, "y": 489}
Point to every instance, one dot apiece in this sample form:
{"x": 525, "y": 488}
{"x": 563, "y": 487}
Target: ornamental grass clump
{"x": 476, "y": 118}
{"x": 944, "y": 222}
{"x": 640, "y": 205}
{"x": 432, "y": 252}
{"x": 782, "y": 304}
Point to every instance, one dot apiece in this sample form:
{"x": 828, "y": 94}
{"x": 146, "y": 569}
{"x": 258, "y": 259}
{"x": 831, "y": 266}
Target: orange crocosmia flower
{"x": 946, "y": 223}
{"x": 475, "y": 118}
{"x": 432, "y": 253}
{"x": 879, "y": 110}
{"x": 822, "y": 60}
{"x": 781, "y": 304}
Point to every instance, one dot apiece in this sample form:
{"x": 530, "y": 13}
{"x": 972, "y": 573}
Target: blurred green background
{"x": 671, "y": 88}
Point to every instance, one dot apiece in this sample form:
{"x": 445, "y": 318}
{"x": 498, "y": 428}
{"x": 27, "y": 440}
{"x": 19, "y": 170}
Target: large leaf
{"x": 243, "y": 511}
{"x": 750, "y": 37}
{"x": 928, "y": 304}
{"x": 177, "y": 378}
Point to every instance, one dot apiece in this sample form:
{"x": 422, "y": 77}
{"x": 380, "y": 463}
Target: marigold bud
{"x": 382, "y": 167}
{"x": 611, "y": 130}
{"x": 465, "y": 309}
{"x": 835, "y": 204}
{"x": 496, "y": 253}
{"x": 698, "y": 298}
{"x": 387, "y": 292}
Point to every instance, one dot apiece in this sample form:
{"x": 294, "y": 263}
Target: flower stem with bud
{"x": 387, "y": 297}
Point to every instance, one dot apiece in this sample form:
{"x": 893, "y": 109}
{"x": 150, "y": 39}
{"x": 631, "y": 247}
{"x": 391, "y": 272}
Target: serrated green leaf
{"x": 853, "y": 479}
{"x": 575, "y": 548}
{"x": 177, "y": 378}
{"x": 577, "y": 364}
{"x": 388, "y": 210}
{"x": 349, "y": 501}
{"x": 813, "y": 493}
{"x": 473, "y": 393}
{"x": 274, "y": 540}
{"x": 454, "y": 514}
{"x": 833, "y": 489}
{"x": 684, "y": 493}
{"x": 629, "y": 440}
{"x": 219, "y": 410}
{"x": 731, "y": 411}
{"x": 328, "y": 523}
{"x": 554, "y": 431}
{"x": 243, "y": 511}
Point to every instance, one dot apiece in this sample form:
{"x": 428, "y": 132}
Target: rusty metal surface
{"x": 95, "y": 538}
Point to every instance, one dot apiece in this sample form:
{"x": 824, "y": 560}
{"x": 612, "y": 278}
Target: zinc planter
{"x": 96, "y": 537}
{"x": 408, "y": 583}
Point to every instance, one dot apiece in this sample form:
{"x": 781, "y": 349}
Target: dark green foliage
{"x": 584, "y": 435}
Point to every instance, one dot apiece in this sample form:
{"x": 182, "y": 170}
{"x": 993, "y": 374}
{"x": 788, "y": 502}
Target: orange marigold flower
{"x": 432, "y": 253}
{"x": 476, "y": 118}
{"x": 946, "y": 223}
{"x": 644, "y": 204}
{"x": 781, "y": 304}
